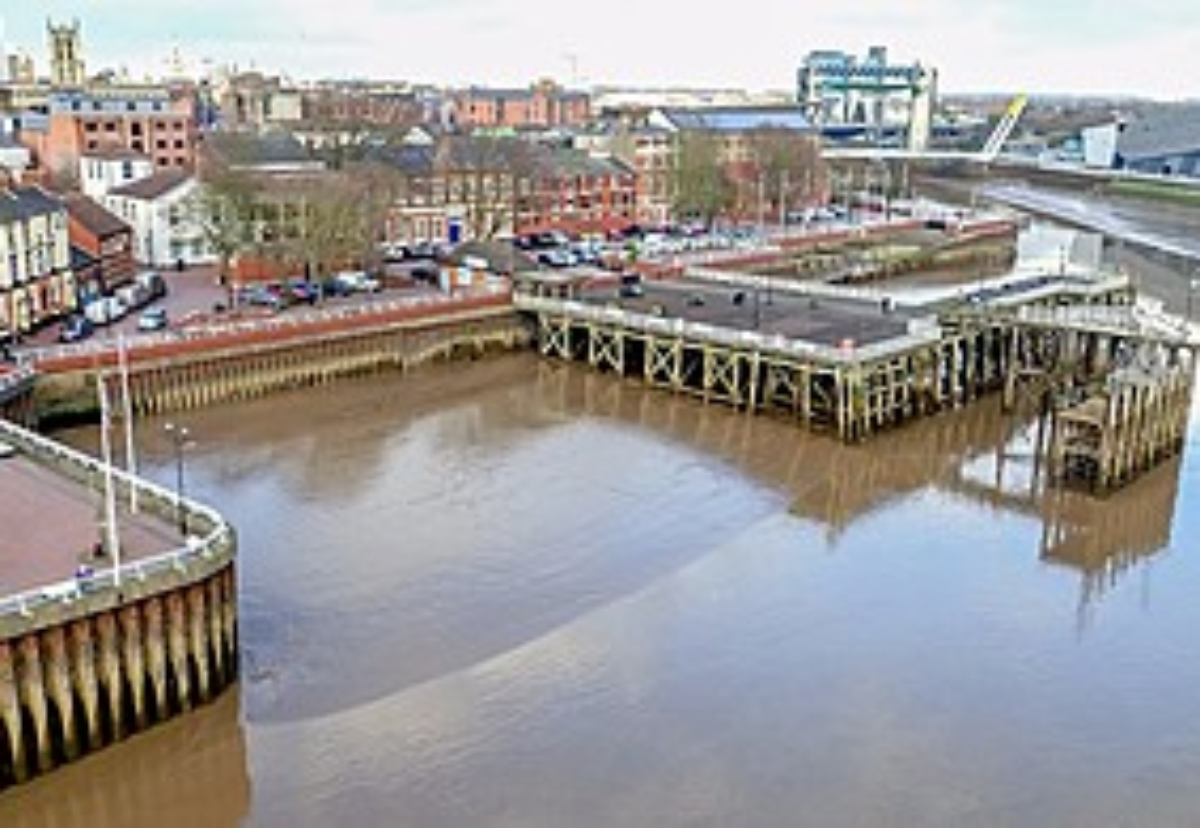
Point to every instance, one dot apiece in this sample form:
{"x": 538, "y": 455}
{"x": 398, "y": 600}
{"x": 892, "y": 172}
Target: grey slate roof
{"x": 739, "y": 119}
{"x": 1162, "y": 131}
{"x": 20, "y": 204}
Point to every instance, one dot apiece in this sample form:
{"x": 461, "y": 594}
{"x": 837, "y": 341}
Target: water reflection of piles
{"x": 165, "y": 776}
{"x": 1103, "y": 539}
{"x": 834, "y": 483}
{"x": 829, "y": 481}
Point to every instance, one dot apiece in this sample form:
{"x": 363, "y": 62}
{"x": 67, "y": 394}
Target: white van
{"x": 105, "y": 309}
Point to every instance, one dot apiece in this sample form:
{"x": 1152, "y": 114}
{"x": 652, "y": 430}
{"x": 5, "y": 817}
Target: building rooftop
{"x": 153, "y": 186}
{"x": 94, "y": 218}
{"x": 1161, "y": 131}
{"x": 23, "y": 203}
{"x": 735, "y": 119}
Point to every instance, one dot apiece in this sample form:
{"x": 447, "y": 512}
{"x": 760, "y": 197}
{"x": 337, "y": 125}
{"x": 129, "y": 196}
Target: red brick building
{"x": 101, "y": 246}
{"x": 545, "y": 104}
{"x": 149, "y": 121}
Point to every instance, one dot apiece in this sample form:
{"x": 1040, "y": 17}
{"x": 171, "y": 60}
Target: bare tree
{"x": 703, "y": 186}
{"x": 225, "y": 214}
{"x": 789, "y": 167}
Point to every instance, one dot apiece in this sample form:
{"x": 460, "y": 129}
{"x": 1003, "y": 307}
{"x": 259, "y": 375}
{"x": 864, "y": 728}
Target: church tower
{"x": 66, "y": 55}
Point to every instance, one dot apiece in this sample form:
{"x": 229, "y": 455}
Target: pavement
{"x": 37, "y": 552}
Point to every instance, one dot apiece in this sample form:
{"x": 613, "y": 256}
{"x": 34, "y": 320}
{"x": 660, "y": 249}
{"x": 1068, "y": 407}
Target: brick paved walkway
{"x": 50, "y": 524}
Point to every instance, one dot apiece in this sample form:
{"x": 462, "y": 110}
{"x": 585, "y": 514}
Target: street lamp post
{"x": 179, "y": 435}
{"x": 1193, "y": 287}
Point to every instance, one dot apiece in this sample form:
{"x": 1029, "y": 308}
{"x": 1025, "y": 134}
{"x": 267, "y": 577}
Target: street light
{"x": 179, "y": 435}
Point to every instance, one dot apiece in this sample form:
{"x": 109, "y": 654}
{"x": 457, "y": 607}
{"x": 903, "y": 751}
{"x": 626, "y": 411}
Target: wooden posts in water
{"x": 1036, "y": 354}
{"x": 1137, "y": 421}
{"x": 851, "y": 391}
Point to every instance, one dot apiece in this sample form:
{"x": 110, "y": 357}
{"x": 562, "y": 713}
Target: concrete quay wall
{"x": 89, "y": 662}
{"x": 242, "y": 362}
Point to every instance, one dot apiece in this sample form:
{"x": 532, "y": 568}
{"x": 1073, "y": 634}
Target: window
{"x": 126, "y": 169}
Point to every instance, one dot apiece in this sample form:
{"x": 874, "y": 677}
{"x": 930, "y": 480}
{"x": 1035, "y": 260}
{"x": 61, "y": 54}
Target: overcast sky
{"x": 1150, "y": 48}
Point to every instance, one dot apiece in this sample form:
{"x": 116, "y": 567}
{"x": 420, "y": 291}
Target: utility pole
{"x": 783, "y": 189}
{"x": 761, "y": 205}
{"x": 111, "y": 541}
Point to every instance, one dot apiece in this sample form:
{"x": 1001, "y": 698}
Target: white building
{"x": 14, "y": 159}
{"x": 36, "y": 281}
{"x": 103, "y": 171}
{"x": 164, "y": 212}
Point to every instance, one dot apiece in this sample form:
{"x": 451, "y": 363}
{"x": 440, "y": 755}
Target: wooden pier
{"x": 1043, "y": 338}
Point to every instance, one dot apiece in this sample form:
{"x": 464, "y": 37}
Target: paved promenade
{"x": 51, "y": 525}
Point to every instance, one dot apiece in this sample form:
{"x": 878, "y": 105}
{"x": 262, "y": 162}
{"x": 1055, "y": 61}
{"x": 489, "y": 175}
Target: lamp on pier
{"x": 179, "y": 436}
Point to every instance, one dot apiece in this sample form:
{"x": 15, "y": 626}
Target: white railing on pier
{"x": 1147, "y": 318}
{"x": 919, "y": 332}
{"x": 217, "y": 533}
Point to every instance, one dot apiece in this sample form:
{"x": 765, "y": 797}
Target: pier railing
{"x": 1146, "y": 319}
{"x": 920, "y": 332}
{"x": 209, "y": 549}
{"x": 16, "y": 380}
{"x": 283, "y": 323}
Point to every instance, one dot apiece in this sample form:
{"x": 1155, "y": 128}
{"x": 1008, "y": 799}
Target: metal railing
{"x": 281, "y": 323}
{"x": 16, "y": 379}
{"x": 216, "y": 536}
{"x": 917, "y": 335}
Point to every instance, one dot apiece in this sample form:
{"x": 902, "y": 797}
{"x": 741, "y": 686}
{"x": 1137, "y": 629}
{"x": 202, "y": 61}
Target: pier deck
{"x": 51, "y": 523}
{"x": 828, "y": 321}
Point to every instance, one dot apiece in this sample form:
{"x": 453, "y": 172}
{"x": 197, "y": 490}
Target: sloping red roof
{"x": 94, "y": 218}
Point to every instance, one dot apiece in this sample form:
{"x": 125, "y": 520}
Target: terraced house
{"x": 36, "y": 280}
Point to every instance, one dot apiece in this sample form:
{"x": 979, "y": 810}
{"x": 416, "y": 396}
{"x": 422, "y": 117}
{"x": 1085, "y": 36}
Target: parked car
{"x": 261, "y": 296}
{"x": 153, "y": 319}
{"x": 333, "y": 286}
{"x": 134, "y": 295}
{"x": 105, "y": 309}
{"x": 558, "y": 257}
{"x": 76, "y": 328}
{"x": 153, "y": 282}
{"x": 302, "y": 290}
{"x": 357, "y": 281}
